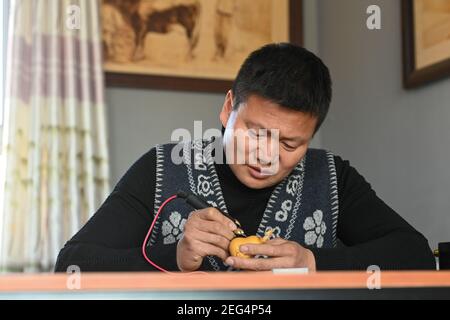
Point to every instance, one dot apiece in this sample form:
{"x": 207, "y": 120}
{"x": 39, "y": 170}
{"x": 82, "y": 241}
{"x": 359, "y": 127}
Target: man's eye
{"x": 288, "y": 147}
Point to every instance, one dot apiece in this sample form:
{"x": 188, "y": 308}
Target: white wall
{"x": 139, "y": 119}
{"x": 399, "y": 140}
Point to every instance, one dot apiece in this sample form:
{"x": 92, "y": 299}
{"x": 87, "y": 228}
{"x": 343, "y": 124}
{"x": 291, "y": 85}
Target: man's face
{"x": 295, "y": 130}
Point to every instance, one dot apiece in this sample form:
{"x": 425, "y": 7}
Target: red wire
{"x": 148, "y": 235}
{"x": 150, "y": 231}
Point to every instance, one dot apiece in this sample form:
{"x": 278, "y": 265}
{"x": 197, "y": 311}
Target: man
{"x": 322, "y": 212}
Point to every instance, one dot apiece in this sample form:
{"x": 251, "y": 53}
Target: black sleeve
{"x": 111, "y": 240}
{"x": 371, "y": 232}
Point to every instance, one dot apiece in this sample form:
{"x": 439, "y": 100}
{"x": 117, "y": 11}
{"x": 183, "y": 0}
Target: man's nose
{"x": 266, "y": 154}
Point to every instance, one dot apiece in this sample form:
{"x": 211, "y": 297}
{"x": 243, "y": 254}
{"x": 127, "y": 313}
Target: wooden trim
{"x": 220, "y": 281}
{"x": 413, "y": 77}
{"x": 165, "y": 83}
{"x": 114, "y": 79}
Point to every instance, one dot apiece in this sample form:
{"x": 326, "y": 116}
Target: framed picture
{"x": 192, "y": 45}
{"x": 426, "y": 41}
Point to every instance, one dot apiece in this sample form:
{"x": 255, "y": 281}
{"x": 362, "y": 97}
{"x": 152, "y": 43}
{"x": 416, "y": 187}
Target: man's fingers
{"x": 206, "y": 249}
{"x": 212, "y": 214}
{"x": 266, "y": 249}
{"x": 256, "y": 264}
{"x": 216, "y": 228}
{"x": 276, "y": 241}
{"x": 212, "y": 238}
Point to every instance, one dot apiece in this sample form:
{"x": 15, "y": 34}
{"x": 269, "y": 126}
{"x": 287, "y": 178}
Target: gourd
{"x": 237, "y": 242}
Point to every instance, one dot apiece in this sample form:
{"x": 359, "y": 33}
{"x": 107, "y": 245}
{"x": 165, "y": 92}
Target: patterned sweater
{"x": 365, "y": 232}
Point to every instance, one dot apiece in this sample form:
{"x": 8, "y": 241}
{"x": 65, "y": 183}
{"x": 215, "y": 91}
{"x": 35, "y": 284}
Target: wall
{"x": 399, "y": 140}
{"x": 139, "y": 119}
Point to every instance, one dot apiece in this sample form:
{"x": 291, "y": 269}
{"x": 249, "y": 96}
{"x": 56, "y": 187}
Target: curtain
{"x": 54, "y": 141}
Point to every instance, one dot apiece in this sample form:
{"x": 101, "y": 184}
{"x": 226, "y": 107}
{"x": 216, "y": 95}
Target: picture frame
{"x": 199, "y": 83}
{"x": 426, "y": 44}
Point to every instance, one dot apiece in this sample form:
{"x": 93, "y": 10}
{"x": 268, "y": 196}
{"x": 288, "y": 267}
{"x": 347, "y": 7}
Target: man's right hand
{"x": 207, "y": 232}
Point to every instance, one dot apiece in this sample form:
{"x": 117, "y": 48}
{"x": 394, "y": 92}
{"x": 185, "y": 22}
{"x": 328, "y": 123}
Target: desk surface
{"x": 220, "y": 285}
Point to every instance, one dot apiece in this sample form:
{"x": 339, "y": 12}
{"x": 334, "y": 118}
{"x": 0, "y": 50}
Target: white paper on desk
{"x": 290, "y": 271}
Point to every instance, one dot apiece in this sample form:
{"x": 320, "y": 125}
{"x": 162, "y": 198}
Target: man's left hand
{"x": 281, "y": 254}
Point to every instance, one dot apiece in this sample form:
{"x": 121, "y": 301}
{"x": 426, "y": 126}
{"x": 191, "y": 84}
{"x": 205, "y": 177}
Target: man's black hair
{"x": 288, "y": 75}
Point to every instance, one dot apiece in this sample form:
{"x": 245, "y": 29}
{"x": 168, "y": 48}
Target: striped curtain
{"x": 54, "y": 141}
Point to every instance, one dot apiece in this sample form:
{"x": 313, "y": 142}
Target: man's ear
{"x": 227, "y": 108}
